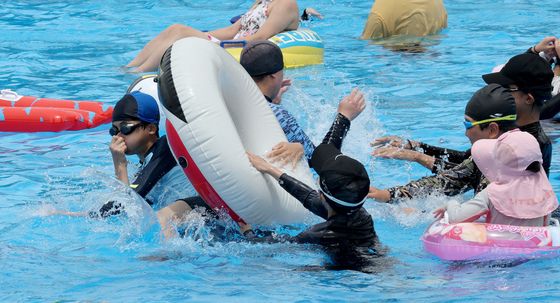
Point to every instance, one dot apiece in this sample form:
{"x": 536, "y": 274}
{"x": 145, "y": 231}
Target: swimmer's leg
{"x": 150, "y": 56}
{"x": 171, "y": 216}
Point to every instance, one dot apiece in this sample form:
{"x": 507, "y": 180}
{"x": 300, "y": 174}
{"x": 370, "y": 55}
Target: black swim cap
{"x": 261, "y": 58}
{"x": 136, "y": 106}
{"x": 491, "y": 101}
{"x": 343, "y": 180}
{"x": 531, "y": 73}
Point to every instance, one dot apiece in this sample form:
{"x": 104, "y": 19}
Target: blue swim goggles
{"x": 470, "y": 124}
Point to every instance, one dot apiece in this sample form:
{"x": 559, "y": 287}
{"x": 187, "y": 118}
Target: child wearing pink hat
{"x": 519, "y": 193}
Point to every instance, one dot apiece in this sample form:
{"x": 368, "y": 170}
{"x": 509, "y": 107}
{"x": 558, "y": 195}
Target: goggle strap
{"x": 505, "y": 118}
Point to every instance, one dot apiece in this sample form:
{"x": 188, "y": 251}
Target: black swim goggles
{"x": 126, "y": 128}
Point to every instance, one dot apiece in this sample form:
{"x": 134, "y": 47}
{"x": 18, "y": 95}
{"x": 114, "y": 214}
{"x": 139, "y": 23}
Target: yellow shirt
{"x": 405, "y": 17}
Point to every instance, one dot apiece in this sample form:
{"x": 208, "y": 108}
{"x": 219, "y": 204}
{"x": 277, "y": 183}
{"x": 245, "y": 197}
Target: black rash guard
{"x": 342, "y": 230}
{"x": 160, "y": 162}
{"x": 550, "y": 108}
{"x": 353, "y": 229}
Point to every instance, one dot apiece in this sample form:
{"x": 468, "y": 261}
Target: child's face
{"x": 475, "y": 132}
{"x": 135, "y": 135}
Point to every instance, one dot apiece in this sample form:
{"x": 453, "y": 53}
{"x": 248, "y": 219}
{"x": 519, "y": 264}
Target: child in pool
{"x": 519, "y": 192}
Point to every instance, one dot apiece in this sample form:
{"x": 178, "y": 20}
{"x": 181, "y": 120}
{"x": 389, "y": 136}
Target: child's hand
{"x": 286, "y": 83}
{"x": 118, "y": 148}
{"x": 390, "y": 152}
{"x": 352, "y": 105}
{"x": 313, "y": 12}
{"x": 380, "y": 195}
{"x": 285, "y": 153}
{"x": 258, "y": 162}
{"x": 439, "y": 213}
{"x": 263, "y": 166}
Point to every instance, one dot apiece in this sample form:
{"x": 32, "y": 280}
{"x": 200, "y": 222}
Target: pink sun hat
{"x": 515, "y": 191}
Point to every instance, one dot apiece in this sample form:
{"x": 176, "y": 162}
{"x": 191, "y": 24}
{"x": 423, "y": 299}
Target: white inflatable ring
{"x": 215, "y": 112}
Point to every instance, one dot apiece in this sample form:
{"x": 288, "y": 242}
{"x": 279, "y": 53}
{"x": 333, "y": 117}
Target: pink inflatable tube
{"x": 481, "y": 241}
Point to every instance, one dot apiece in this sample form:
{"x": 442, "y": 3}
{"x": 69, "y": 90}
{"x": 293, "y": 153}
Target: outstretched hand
{"x": 395, "y": 141}
{"x": 285, "y": 152}
{"x": 286, "y": 83}
{"x": 352, "y": 105}
{"x": 258, "y": 162}
{"x": 263, "y": 166}
{"x": 313, "y": 12}
{"x": 391, "y": 152}
{"x": 380, "y": 195}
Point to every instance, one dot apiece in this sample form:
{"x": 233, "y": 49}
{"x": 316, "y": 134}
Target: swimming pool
{"x": 73, "y": 50}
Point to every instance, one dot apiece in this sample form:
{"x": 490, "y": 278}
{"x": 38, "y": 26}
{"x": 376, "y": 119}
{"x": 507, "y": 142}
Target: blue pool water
{"x": 66, "y": 49}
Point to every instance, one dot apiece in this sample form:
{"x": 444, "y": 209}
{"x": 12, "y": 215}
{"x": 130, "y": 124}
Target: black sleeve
{"x": 338, "y": 131}
{"x": 445, "y": 158}
{"x": 306, "y": 195}
{"x": 530, "y": 51}
{"x": 447, "y": 154}
{"x": 550, "y": 108}
{"x": 459, "y": 179}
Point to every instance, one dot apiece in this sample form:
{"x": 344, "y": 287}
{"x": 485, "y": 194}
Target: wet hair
{"x": 144, "y": 124}
{"x": 534, "y": 167}
{"x": 503, "y": 125}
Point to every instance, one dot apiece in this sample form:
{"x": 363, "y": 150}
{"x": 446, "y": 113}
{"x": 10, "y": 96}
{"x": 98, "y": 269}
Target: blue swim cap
{"x": 136, "y": 106}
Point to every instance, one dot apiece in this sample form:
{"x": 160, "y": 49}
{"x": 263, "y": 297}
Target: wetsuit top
{"x": 466, "y": 175}
{"x": 550, "y": 108}
{"x": 349, "y": 239}
{"x": 159, "y": 180}
{"x": 445, "y": 158}
{"x": 351, "y": 229}
{"x": 341, "y": 230}
{"x": 294, "y": 133}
